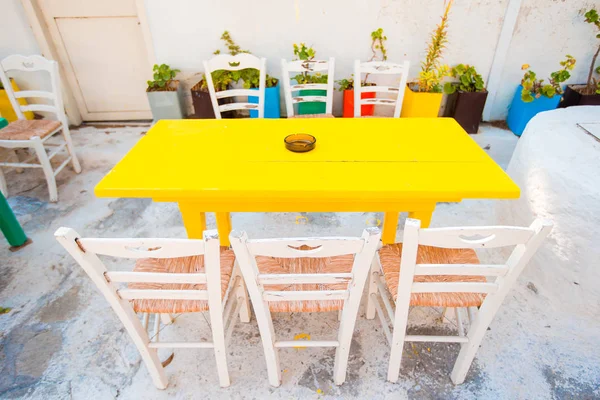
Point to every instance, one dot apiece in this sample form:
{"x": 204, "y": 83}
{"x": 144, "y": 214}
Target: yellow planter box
{"x": 6, "y": 110}
{"x": 421, "y": 105}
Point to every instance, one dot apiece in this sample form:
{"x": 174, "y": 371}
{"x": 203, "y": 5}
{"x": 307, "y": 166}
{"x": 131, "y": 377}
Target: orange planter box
{"x": 349, "y": 104}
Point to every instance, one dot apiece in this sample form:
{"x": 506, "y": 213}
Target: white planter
{"x": 166, "y": 105}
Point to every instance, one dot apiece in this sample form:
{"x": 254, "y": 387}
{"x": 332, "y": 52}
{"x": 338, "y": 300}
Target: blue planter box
{"x": 271, "y": 103}
{"x": 520, "y": 112}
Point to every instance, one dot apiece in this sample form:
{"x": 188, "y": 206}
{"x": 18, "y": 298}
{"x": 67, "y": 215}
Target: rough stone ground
{"x": 61, "y": 340}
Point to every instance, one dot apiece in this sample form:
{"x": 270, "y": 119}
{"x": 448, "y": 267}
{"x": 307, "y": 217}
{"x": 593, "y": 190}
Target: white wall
{"x": 16, "y": 36}
{"x": 546, "y": 31}
{"x": 186, "y": 32}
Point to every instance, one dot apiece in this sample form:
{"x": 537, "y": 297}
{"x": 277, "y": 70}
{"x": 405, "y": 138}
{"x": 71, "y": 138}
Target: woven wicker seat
{"x": 23, "y": 129}
{"x": 313, "y": 116}
{"x": 390, "y": 262}
{"x": 178, "y": 265}
{"x": 272, "y": 265}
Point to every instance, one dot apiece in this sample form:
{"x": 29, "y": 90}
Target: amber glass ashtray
{"x": 300, "y": 142}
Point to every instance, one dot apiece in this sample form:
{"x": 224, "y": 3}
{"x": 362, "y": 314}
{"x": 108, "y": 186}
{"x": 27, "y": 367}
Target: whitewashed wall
{"x": 185, "y": 32}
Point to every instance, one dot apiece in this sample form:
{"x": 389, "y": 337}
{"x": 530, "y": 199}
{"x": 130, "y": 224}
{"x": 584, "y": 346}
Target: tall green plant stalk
{"x": 592, "y": 17}
{"x": 432, "y": 71}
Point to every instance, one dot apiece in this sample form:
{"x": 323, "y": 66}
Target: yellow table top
{"x": 369, "y": 159}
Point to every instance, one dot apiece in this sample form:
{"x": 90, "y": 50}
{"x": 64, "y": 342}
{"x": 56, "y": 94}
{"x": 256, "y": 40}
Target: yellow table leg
{"x": 424, "y": 216}
{"x": 224, "y": 227}
{"x": 194, "y": 220}
{"x": 390, "y": 224}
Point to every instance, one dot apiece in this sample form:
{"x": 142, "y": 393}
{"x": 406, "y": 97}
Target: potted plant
{"x": 423, "y": 97}
{"x": 308, "y": 53}
{"x": 466, "y": 98}
{"x": 346, "y": 86}
{"x": 164, "y": 94}
{"x": 588, "y": 94}
{"x": 224, "y": 79}
{"x": 534, "y": 96}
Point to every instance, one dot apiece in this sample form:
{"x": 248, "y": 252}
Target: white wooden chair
{"x": 304, "y": 66}
{"x": 236, "y": 63}
{"x": 36, "y": 134}
{"x": 379, "y": 68}
{"x": 170, "y": 276}
{"x": 438, "y": 268}
{"x": 306, "y": 275}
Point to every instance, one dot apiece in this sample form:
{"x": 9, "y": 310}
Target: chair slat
{"x": 155, "y": 277}
{"x": 309, "y": 99}
{"x": 475, "y": 237}
{"x": 295, "y": 295}
{"x": 34, "y": 93}
{"x": 143, "y": 248}
{"x": 238, "y": 106}
{"x": 307, "y": 343}
{"x": 309, "y": 86}
{"x": 236, "y": 92}
{"x": 158, "y": 294}
{"x": 452, "y": 287}
{"x": 432, "y": 338}
{"x": 461, "y": 269}
{"x": 379, "y": 89}
{"x": 284, "y": 279}
{"x": 39, "y": 108}
{"x": 319, "y": 247}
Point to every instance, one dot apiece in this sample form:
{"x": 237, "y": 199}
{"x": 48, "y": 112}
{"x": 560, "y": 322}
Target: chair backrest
{"x": 526, "y": 240}
{"x": 307, "y": 67}
{"x": 236, "y": 63}
{"x": 33, "y": 64}
{"x": 379, "y": 68}
{"x": 86, "y": 251}
{"x": 362, "y": 248}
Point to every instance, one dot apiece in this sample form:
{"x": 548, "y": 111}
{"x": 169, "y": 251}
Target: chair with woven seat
{"x": 36, "y": 134}
{"x": 438, "y": 267}
{"x": 170, "y": 276}
{"x": 379, "y": 68}
{"x": 239, "y": 62}
{"x": 308, "y": 67}
{"x": 306, "y": 275}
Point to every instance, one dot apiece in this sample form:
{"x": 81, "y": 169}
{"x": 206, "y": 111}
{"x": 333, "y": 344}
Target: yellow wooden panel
{"x": 6, "y": 109}
{"x": 381, "y": 161}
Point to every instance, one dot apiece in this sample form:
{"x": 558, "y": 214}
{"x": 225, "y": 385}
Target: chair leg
{"x": 467, "y": 352}
{"x": 3, "y": 187}
{"x": 447, "y": 315}
{"x": 243, "y": 297}
{"x": 46, "y": 167}
{"x": 71, "y": 149}
{"x": 397, "y": 345}
{"x": 372, "y": 288}
{"x": 166, "y": 319}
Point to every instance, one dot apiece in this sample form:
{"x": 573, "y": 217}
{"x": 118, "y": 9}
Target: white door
{"x": 102, "y": 50}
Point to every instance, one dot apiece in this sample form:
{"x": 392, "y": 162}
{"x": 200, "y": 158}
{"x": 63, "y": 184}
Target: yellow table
{"x": 358, "y": 165}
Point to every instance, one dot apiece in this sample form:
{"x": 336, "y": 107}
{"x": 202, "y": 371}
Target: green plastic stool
{"x": 3, "y": 122}
{"x": 10, "y": 227}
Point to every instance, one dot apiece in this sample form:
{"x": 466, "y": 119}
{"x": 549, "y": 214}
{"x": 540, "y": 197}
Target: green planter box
{"x": 312, "y": 107}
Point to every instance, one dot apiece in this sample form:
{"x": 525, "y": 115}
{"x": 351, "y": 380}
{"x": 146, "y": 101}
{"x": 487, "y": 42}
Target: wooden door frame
{"x": 36, "y": 20}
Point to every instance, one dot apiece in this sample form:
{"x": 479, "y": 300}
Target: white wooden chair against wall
{"x": 304, "y": 66}
{"x": 236, "y": 63}
{"x": 170, "y": 276}
{"x": 306, "y": 275}
{"x": 438, "y": 267}
{"x": 379, "y": 68}
{"x": 36, "y": 134}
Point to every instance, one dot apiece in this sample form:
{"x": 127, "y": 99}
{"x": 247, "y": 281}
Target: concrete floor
{"x": 61, "y": 339}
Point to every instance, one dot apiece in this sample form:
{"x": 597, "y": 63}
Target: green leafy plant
{"x": 534, "y": 88}
{"x": 223, "y": 79}
{"x": 307, "y": 54}
{"x": 378, "y": 40}
{"x": 163, "y": 79}
{"x": 593, "y": 85}
{"x": 432, "y": 70}
{"x": 468, "y": 80}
